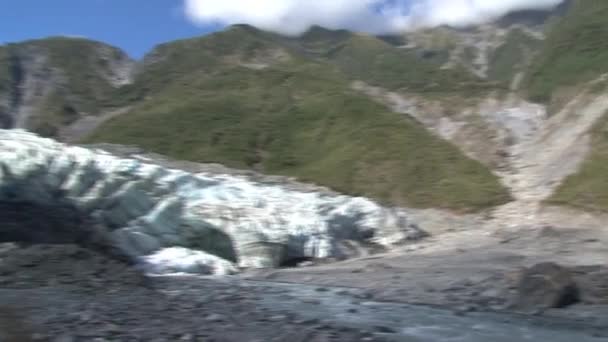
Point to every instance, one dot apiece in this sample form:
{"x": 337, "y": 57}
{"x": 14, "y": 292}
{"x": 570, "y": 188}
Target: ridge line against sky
{"x": 294, "y": 17}
{"x": 137, "y": 26}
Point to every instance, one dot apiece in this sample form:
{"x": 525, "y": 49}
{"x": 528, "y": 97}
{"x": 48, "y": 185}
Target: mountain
{"x": 250, "y": 99}
{"x": 49, "y": 83}
{"x": 575, "y": 51}
{"x": 463, "y": 119}
{"x": 574, "y": 54}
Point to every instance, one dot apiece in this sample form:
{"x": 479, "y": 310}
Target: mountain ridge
{"x": 57, "y": 80}
{"x": 229, "y": 97}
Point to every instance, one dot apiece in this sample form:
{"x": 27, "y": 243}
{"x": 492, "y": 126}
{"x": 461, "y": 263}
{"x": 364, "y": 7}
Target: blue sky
{"x": 133, "y": 25}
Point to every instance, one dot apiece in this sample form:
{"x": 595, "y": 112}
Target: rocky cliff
{"x": 49, "y": 83}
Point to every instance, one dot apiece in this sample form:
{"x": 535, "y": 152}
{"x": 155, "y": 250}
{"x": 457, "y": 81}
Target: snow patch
{"x": 177, "y": 260}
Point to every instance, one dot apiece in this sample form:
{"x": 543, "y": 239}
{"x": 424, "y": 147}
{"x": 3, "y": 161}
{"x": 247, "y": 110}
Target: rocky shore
{"x": 62, "y": 293}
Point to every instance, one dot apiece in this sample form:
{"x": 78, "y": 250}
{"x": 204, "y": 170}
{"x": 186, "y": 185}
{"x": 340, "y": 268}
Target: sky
{"x": 137, "y": 26}
{"x": 372, "y": 16}
{"x": 133, "y": 25}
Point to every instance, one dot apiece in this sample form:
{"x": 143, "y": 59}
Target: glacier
{"x": 172, "y": 220}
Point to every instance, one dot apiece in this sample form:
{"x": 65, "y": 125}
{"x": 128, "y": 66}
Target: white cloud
{"x": 465, "y": 12}
{"x": 374, "y": 16}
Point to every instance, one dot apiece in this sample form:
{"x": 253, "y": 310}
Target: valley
{"x": 443, "y": 182}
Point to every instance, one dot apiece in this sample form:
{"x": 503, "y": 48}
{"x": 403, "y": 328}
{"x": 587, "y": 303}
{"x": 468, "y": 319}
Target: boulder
{"x": 545, "y": 286}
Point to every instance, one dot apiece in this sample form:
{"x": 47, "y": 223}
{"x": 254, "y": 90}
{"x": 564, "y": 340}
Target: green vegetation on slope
{"x": 56, "y": 112}
{"x": 375, "y": 61}
{"x": 588, "y": 188}
{"x": 74, "y": 73}
{"x": 378, "y": 61}
{"x": 301, "y": 119}
{"x": 5, "y": 88}
{"x": 512, "y": 56}
{"x": 178, "y": 59}
{"x": 84, "y": 65}
{"x": 576, "y": 50}
{"x": 5, "y": 75}
{"x": 318, "y": 40}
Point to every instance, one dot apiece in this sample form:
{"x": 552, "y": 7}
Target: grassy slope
{"x": 377, "y": 62}
{"x": 576, "y": 51}
{"x": 588, "y": 188}
{"x": 80, "y": 61}
{"x": 296, "y": 118}
{"x": 511, "y": 55}
{"x": 173, "y": 61}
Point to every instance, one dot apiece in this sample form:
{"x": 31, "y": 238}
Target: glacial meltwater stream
{"x": 400, "y": 322}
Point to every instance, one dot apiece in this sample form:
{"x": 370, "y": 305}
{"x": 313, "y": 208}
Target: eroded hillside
{"x": 49, "y": 83}
{"x": 242, "y": 99}
{"x": 463, "y": 119}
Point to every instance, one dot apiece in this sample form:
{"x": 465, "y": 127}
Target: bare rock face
{"x": 545, "y": 286}
{"x": 53, "y": 82}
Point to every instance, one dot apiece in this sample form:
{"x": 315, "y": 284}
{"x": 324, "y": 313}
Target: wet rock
{"x": 490, "y": 293}
{"x": 40, "y": 337}
{"x": 365, "y": 295}
{"x": 548, "y": 232}
{"x": 278, "y": 318}
{"x": 186, "y": 337}
{"x": 323, "y": 327}
{"x": 65, "y": 338}
{"x": 384, "y": 330}
{"x": 546, "y": 285}
{"x": 464, "y": 309}
{"x": 306, "y": 264}
{"x": 215, "y": 318}
{"x": 311, "y": 321}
